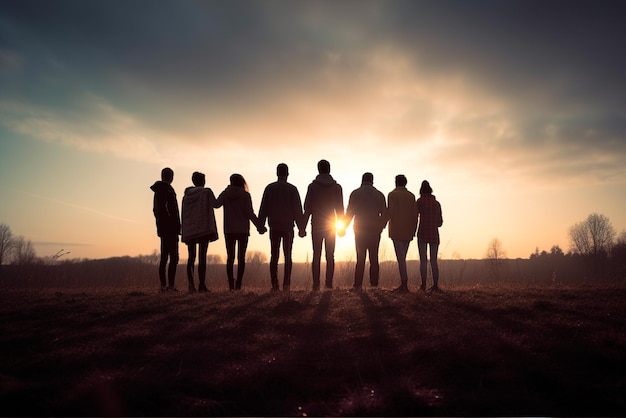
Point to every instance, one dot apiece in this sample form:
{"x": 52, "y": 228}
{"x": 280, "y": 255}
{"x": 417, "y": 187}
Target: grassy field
{"x": 554, "y": 351}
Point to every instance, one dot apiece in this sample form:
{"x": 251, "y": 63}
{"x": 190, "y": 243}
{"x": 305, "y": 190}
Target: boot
{"x": 231, "y": 284}
{"x": 404, "y": 288}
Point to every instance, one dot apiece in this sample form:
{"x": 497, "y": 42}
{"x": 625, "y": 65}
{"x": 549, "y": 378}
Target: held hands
{"x": 262, "y": 230}
{"x": 302, "y": 233}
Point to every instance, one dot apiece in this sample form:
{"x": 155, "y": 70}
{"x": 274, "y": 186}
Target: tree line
{"x": 15, "y": 249}
{"x": 594, "y": 244}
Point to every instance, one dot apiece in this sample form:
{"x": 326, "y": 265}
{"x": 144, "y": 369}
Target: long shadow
{"x": 504, "y": 361}
{"x": 403, "y": 386}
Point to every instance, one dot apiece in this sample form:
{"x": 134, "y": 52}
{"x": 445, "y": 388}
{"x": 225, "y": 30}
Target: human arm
{"x": 260, "y": 227}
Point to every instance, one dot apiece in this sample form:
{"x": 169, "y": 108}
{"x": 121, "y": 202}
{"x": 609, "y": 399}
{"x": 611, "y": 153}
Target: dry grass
{"x": 469, "y": 351}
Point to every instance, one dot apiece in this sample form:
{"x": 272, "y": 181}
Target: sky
{"x": 514, "y": 111}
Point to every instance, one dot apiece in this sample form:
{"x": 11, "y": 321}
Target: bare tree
{"x": 592, "y": 236}
{"x": 255, "y": 260}
{"x": 494, "y": 256}
{"x": 152, "y": 259}
{"x": 6, "y": 242}
{"x": 23, "y": 251}
{"x": 593, "y": 239}
{"x": 495, "y": 251}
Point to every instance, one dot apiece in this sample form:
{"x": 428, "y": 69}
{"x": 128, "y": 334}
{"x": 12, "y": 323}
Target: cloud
{"x": 515, "y": 88}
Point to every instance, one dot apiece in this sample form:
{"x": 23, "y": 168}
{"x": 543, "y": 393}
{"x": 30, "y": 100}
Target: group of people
{"x": 281, "y": 207}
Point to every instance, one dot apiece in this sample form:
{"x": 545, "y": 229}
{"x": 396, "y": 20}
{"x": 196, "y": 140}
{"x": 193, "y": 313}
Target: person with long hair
{"x": 238, "y": 213}
{"x": 198, "y": 227}
{"x": 430, "y": 219}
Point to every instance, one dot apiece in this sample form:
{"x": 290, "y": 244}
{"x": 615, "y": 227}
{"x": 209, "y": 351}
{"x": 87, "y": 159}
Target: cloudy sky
{"x": 515, "y": 111}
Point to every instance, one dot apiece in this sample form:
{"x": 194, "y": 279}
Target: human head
{"x": 425, "y": 188}
{"x": 198, "y": 179}
{"x": 401, "y": 180}
{"x": 323, "y": 167}
{"x": 367, "y": 178}
{"x": 282, "y": 170}
{"x": 167, "y": 175}
{"x": 237, "y": 180}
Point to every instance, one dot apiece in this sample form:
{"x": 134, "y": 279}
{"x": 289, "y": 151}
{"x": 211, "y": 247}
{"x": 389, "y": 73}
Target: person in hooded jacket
{"x": 430, "y": 219}
{"x": 167, "y": 216}
{"x": 238, "y": 213}
{"x": 198, "y": 227}
{"x": 324, "y": 204}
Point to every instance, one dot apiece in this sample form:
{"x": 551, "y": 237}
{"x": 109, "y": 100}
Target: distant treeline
{"x": 141, "y": 272}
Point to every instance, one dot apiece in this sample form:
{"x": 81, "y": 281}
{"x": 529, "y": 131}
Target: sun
{"x": 340, "y": 227}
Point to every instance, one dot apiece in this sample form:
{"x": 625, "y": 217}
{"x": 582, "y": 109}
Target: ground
{"x": 468, "y": 351}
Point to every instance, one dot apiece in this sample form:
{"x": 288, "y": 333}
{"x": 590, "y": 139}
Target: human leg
{"x": 203, "y": 249}
{"x": 191, "y": 260}
{"x": 163, "y": 264}
{"x": 287, "y": 249}
{"x": 316, "y": 239}
{"x": 401, "y": 248}
{"x": 434, "y": 267}
{"x": 329, "y": 248}
{"x": 361, "y": 248}
{"x": 172, "y": 250}
{"x": 230, "y": 260}
{"x": 422, "y": 248}
{"x": 275, "y": 237}
{"x": 241, "y": 258}
{"x": 373, "y": 244}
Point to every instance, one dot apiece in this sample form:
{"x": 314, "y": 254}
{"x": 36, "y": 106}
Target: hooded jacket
{"x": 324, "y": 202}
{"x": 238, "y": 210}
{"x": 367, "y": 206}
{"x": 281, "y": 205}
{"x": 165, "y": 209}
{"x": 198, "y": 216}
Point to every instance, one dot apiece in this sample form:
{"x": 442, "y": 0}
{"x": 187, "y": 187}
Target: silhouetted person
{"x": 238, "y": 213}
{"x": 368, "y": 208}
{"x": 324, "y": 203}
{"x": 402, "y": 215}
{"x": 167, "y": 217}
{"x": 430, "y": 219}
{"x": 199, "y": 227}
{"x": 282, "y": 207}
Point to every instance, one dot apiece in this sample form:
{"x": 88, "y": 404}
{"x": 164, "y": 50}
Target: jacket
{"x": 367, "y": 206}
{"x": 198, "y": 215}
{"x": 402, "y": 214}
{"x": 324, "y": 202}
{"x": 281, "y": 206}
{"x": 430, "y": 219}
{"x": 165, "y": 209}
{"x": 238, "y": 210}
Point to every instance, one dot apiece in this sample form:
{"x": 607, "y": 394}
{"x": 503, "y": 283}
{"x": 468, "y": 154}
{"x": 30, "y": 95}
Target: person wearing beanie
{"x": 430, "y": 219}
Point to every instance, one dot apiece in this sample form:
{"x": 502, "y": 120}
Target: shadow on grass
{"x": 523, "y": 352}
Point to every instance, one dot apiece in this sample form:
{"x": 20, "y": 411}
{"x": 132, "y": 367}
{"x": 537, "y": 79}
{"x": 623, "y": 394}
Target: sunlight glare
{"x": 340, "y": 227}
